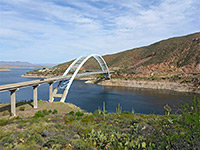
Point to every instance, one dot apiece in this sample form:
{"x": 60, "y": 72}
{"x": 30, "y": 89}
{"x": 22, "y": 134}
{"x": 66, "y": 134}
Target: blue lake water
{"x": 90, "y": 96}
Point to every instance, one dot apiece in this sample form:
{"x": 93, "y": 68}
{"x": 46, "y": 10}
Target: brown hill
{"x": 179, "y": 54}
{"x": 175, "y": 55}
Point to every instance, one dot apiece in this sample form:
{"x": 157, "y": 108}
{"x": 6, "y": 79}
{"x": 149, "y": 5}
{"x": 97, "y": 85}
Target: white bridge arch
{"x": 75, "y": 67}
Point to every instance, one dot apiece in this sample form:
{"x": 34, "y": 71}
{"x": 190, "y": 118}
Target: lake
{"x": 90, "y": 96}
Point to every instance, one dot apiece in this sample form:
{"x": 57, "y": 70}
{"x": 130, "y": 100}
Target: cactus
{"x": 167, "y": 109}
{"x": 119, "y": 110}
{"x": 99, "y": 110}
{"x": 104, "y": 107}
{"x": 104, "y": 110}
{"x": 133, "y": 111}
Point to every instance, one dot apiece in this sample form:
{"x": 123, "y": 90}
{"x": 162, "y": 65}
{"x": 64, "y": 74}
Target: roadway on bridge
{"x": 46, "y": 80}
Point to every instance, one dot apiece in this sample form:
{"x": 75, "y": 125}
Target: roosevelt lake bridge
{"x": 65, "y": 81}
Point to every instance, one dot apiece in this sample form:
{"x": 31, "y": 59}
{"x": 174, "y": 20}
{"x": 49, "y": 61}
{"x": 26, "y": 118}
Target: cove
{"x": 90, "y": 96}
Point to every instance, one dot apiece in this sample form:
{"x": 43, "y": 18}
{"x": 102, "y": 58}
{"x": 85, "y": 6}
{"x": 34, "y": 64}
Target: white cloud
{"x": 51, "y": 31}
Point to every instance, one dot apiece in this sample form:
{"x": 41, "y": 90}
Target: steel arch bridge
{"x": 65, "y": 81}
{"x": 75, "y": 67}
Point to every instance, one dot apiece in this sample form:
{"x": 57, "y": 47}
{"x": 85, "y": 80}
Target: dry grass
{"x": 30, "y": 111}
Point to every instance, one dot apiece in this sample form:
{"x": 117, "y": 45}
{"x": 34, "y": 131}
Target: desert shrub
{"x": 79, "y": 114}
{"x": 39, "y": 114}
{"x": 36, "y": 138}
{"x": 3, "y": 122}
{"x": 22, "y": 108}
{"x": 125, "y": 112}
{"x": 186, "y": 81}
{"x": 7, "y": 139}
{"x": 176, "y": 77}
{"x": 100, "y": 76}
{"x": 5, "y": 113}
{"x": 49, "y": 111}
{"x": 56, "y": 140}
{"x": 24, "y": 134}
{"x": 54, "y": 111}
{"x": 28, "y": 146}
{"x": 191, "y": 114}
{"x": 71, "y": 112}
{"x": 45, "y": 112}
{"x": 3, "y": 133}
{"x": 81, "y": 144}
{"x": 88, "y": 119}
{"x": 97, "y": 112}
{"x": 178, "y": 131}
{"x": 38, "y": 127}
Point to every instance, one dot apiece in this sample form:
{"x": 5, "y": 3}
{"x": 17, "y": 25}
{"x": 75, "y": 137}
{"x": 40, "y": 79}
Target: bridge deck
{"x": 46, "y": 80}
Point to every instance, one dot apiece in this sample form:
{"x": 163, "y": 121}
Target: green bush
{"x": 71, "y": 112}
{"x": 3, "y": 122}
{"x": 186, "y": 81}
{"x": 55, "y": 140}
{"x": 81, "y": 144}
{"x": 22, "y": 108}
{"x": 54, "y": 111}
{"x": 125, "y": 112}
{"x": 37, "y": 138}
{"x": 39, "y": 114}
{"x": 7, "y": 139}
{"x": 191, "y": 114}
{"x": 79, "y": 114}
{"x": 45, "y": 112}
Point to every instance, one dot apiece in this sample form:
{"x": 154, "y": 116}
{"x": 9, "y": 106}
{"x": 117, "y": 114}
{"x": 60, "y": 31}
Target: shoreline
{"x": 33, "y": 76}
{"x": 184, "y": 87}
{"x": 4, "y": 69}
{"x": 159, "y": 85}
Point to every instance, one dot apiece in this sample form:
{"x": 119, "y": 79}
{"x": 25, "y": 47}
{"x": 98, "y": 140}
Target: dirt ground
{"x": 5, "y": 109}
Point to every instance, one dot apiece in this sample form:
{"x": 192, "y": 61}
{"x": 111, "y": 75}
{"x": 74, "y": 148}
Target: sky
{"x": 55, "y": 31}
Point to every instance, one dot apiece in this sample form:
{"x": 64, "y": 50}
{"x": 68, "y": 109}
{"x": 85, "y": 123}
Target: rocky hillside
{"x": 174, "y": 55}
{"x": 179, "y": 54}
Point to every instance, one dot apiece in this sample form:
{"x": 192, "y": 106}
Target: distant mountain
{"x": 178, "y": 54}
{"x": 16, "y": 63}
{"x": 19, "y": 64}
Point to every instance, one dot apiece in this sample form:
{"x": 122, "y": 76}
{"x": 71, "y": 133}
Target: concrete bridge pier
{"x": 51, "y": 91}
{"x": 35, "y": 98}
{"x": 64, "y": 95}
{"x": 13, "y": 101}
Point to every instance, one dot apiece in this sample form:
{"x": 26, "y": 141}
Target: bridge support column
{"x": 13, "y": 102}
{"x": 35, "y": 98}
{"x": 64, "y": 95}
{"x": 51, "y": 92}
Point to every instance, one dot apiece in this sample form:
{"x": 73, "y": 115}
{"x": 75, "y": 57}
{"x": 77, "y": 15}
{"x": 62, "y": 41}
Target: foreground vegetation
{"x": 101, "y": 130}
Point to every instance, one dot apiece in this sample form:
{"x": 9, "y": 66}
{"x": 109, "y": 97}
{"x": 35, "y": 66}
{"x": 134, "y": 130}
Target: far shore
{"x": 175, "y": 86}
{"x": 184, "y": 87}
{"x": 34, "y": 76}
{"x": 4, "y": 69}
